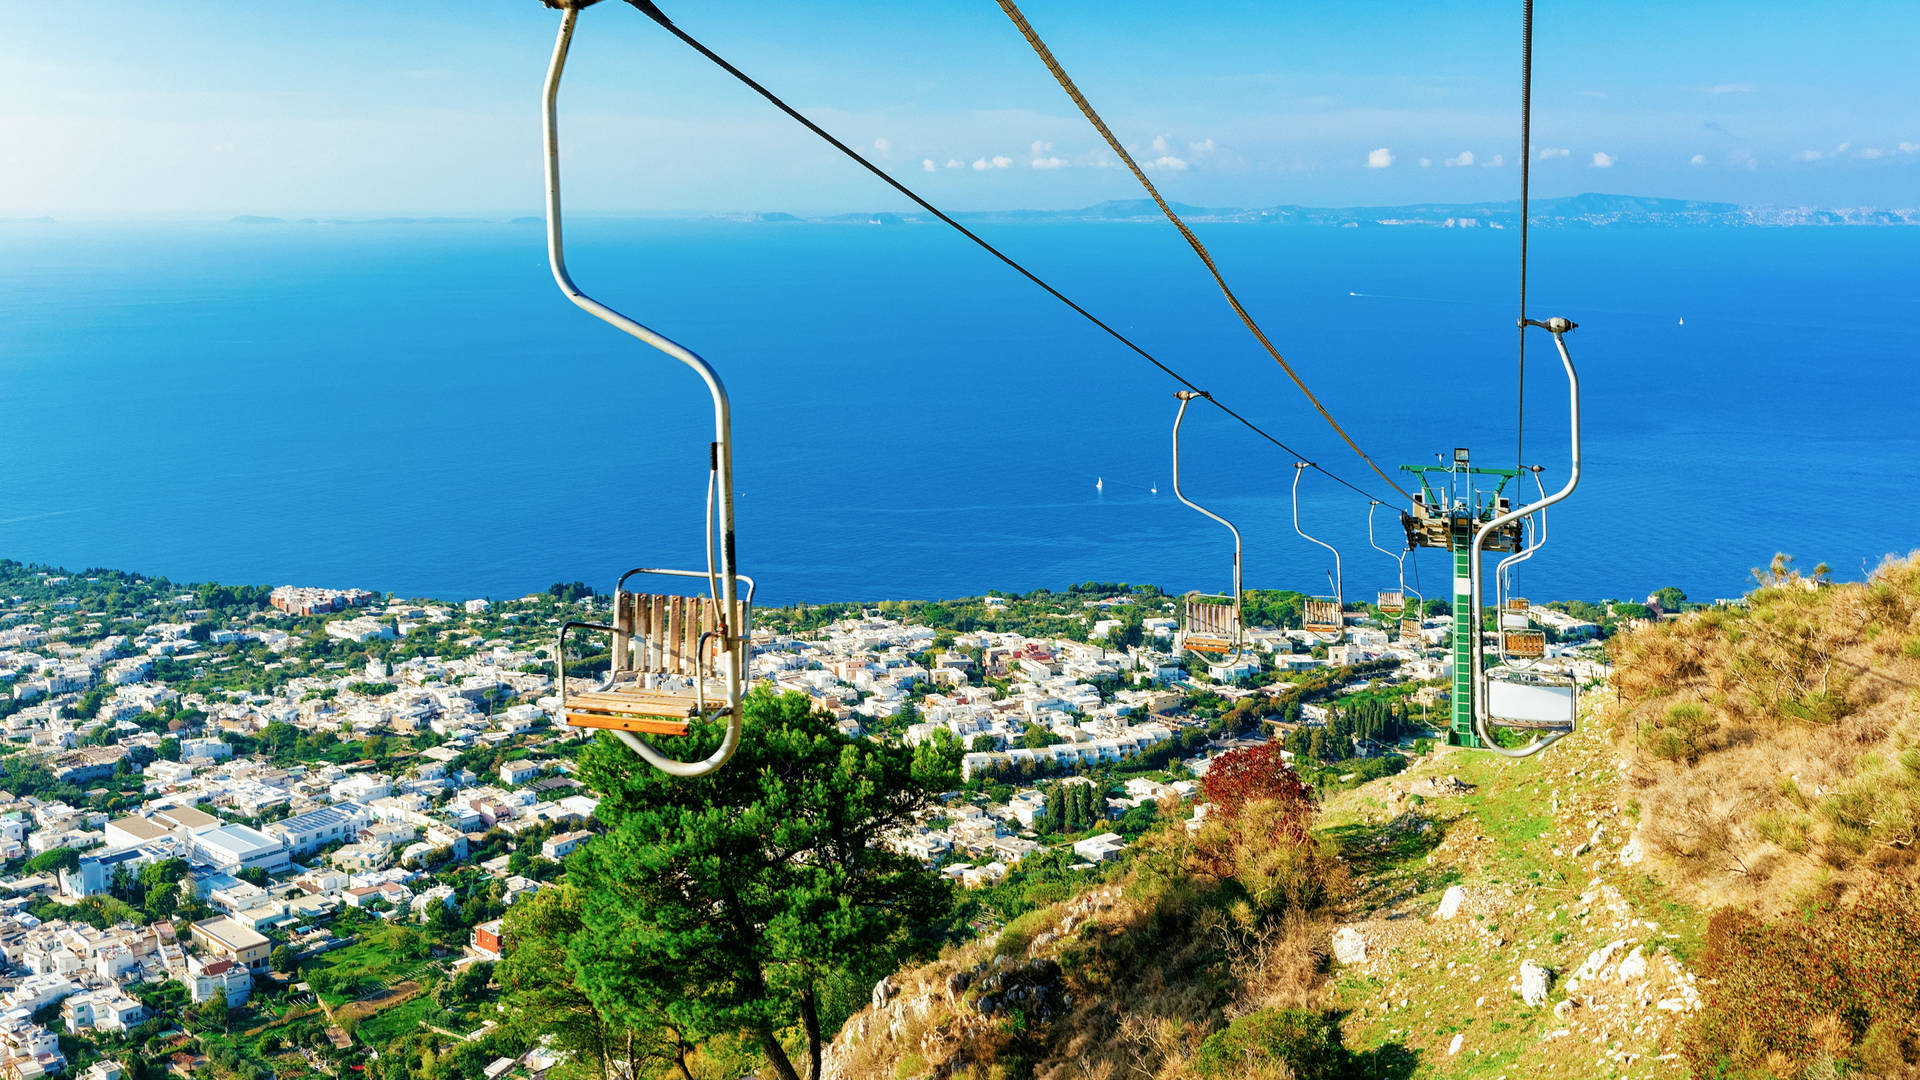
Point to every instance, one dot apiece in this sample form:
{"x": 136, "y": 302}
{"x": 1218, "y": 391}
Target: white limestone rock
{"x": 1349, "y": 945}
{"x": 1535, "y": 981}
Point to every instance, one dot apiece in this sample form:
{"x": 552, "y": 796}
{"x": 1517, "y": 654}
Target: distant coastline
{"x": 1590, "y": 210}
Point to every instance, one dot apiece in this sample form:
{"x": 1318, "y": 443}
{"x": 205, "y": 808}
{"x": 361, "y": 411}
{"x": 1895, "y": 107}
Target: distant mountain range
{"x": 1589, "y": 209}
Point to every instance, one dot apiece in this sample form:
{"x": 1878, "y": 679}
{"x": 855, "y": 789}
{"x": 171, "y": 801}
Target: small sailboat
{"x": 1099, "y": 483}
{"x": 1683, "y": 320}
{"x": 1154, "y": 490}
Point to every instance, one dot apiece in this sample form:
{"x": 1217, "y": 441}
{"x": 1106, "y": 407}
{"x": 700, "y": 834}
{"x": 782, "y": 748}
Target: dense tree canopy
{"x": 760, "y": 898}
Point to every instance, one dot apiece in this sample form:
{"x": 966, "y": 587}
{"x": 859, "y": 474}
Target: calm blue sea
{"x": 415, "y": 408}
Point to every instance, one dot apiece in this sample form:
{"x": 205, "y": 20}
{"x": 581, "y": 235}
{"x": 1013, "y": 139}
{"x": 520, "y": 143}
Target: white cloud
{"x": 981, "y": 165}
{"x": 1379, "y": 159}
{"x": 1001, "y": 161}
{"x": 1603, "y": 160}
{"x": 927, "y": 165}
{"x": 1812, "y": 155}
{"x": 1909, "y": 148}
{"x": 1498, "y": 160}
{"x": 1165, "y": 161}
{"x": 1159, "y": 144}
{"x": 1697, "y": 159}
{"x": 1464, "y": 157}
{"x": 1873, "y": 153}
{"x": 1204, "y": 146}
{"x": 955, "y": 163}
{"x": 1547, "y": 153}
{"x": 1045, "y": 158}
{"x": 1730, "y": 88}
{"x": 882, "y": 147}
{"x": 1426, "y": 163}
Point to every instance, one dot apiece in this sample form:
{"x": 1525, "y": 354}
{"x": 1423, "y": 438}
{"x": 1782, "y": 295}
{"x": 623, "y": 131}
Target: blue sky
{"x": 214, "y": 108}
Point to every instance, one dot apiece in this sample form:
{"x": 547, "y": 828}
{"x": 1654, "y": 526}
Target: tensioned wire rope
{"x": 1066, "y": 83}
{"x": 652, "y": 11}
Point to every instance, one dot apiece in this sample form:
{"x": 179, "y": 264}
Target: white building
{"x": 234, "y": 848}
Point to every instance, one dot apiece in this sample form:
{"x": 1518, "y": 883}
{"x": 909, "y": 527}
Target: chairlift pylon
{"x": 1211, "y": 625}
{"x": 667, "y": 649}
{"x": 1322, "y": 615}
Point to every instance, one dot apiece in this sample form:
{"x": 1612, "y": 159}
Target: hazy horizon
{"x": 211, "y": 107}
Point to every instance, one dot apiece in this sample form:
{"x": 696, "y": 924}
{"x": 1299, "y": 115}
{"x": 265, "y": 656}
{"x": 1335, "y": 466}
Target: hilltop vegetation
{"x": 1716, "y": 877}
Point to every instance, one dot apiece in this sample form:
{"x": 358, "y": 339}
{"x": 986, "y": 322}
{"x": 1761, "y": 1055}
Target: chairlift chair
{"x": 1212, "y": 625}
{"x": 1519, "y": 640}
{"x": 676, "y": 659}
{"x": 1322, "y": 614}
{"x": 1391, "y": 602}
{"x": 668, "y": 660}
{"x": 1508, "y": 697}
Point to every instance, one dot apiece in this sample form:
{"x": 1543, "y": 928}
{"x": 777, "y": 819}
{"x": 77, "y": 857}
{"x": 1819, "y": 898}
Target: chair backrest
{"x": 1322, "y": 615}
{"x": 1212, "y": 617}
{"x": 1392, "y": 601}
{"x": 1409, "y": 628}
{"x": 659, "y": 634}
{"x": 1524, "y": 643}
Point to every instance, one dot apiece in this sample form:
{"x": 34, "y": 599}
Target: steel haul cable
{"x": 652, "y": 11}
{"x": 1526, "y": 161}
{"x": 1086, "y": 109}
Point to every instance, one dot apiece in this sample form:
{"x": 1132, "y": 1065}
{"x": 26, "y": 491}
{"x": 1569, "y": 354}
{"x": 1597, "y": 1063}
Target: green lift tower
{"x": 1452, "y": 502}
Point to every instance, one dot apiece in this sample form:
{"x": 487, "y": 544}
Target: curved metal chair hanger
{"x": 1389, "y": 603}
{"x": 1483, "y": 714}
{"x": 1518, "y": 640}
{"x": 657, "y": 638}
{"x": 1226, "y": 633}
{"x": 1323, "y": 613}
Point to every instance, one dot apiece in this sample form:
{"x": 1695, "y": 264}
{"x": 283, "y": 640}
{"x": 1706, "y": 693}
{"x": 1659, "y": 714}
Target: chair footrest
{"x": 644, "y": 725}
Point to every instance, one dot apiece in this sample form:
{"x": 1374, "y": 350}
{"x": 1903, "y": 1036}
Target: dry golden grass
{"x": 1195, "y": 932}
{"x": 1776, "y": 750}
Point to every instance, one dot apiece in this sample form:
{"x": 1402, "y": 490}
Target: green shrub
{"x": 1839, "y": 988}
{"x": 1308, "y": 1043}
{"x": 1680, "y": 734}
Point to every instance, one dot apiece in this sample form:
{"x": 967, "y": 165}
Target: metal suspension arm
{"x": 1239, "y": 620}
{"x": 1339, "y": 577}
{"x": 1399, "y": 558}
{"x": 721, "y": 463}
{"x": 1558, "y": 327}
{"x": 1538, "y": 540}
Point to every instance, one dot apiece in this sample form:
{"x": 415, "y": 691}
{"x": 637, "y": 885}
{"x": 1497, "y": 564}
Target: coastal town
{"x": 273, "y": 826}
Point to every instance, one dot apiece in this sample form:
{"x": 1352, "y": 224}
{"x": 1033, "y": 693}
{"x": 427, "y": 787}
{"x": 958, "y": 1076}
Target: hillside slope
{"x": 1541, "y": 853}
{"x": 1480, "y": 917}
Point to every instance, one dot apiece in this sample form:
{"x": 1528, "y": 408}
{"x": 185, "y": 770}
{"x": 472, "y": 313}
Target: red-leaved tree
{"x": 1260, "y": 774}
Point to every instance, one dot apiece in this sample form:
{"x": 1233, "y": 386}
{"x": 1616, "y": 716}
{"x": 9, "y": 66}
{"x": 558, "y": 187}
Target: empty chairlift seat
{"x": 669, "y": 664}
{"x": 1526, "y": 700}
{"x": 1523, "y": 644}
{"x": 1410, "y": 629}
{"x": 1212, "y": 624}
{"x": 1322, "y": 616}
{"x": 1392, "y": 602}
